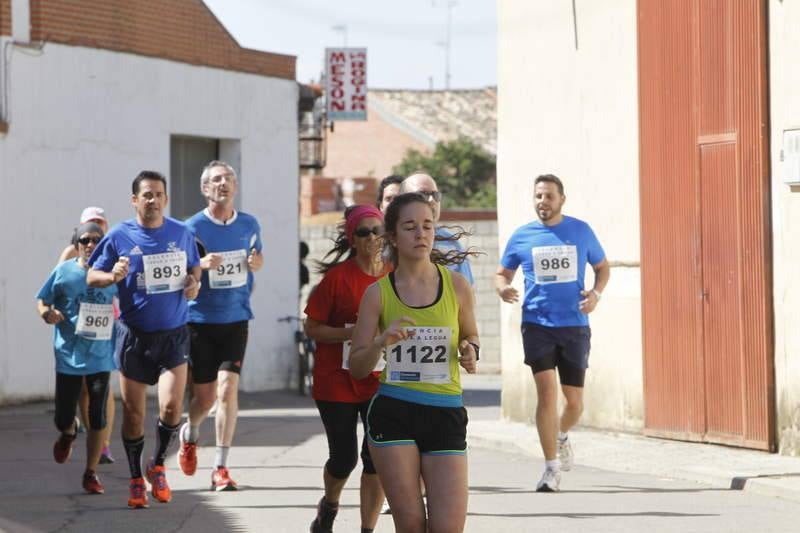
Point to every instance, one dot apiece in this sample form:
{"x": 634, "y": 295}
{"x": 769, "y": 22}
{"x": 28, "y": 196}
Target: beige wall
{"x": 784, "y": 42}
{"x": 574, "y": 113}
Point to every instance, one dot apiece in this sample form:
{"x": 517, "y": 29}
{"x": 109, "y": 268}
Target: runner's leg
{"x": 446, "y": 483}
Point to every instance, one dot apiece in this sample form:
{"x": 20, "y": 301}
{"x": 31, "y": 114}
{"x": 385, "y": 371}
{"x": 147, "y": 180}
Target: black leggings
{"x": 68, "y": 391}
{"x": 340, "y": 420}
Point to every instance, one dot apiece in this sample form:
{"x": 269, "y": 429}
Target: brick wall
{"x": 5, "y": 17}
{"x": 483, "y": 238}
{"x": 179, "y": 30}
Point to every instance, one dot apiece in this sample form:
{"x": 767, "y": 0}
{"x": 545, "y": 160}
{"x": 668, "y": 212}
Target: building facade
{"x": 93, "y": 93}
{"x": 668, "y": 122}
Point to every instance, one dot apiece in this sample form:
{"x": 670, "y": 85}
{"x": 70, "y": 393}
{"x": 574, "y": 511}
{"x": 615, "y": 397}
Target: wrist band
{"x": 597, "y": 294}
{"x": 477, "y": 350}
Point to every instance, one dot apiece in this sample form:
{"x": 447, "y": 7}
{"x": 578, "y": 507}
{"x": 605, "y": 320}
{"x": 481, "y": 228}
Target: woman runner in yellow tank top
{"x": 422, "y": 315}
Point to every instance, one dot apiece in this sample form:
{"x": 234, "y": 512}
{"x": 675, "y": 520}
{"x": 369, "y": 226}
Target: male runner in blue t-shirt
{"x": 230, "y": 242}
{"x": 153, "y": 260}
{"x": 553, "y": 252}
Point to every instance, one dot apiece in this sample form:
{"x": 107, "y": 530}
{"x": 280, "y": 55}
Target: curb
{"x": 754, "y": 472}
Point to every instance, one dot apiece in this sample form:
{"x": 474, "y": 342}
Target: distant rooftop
{"x": 441, "y": 115}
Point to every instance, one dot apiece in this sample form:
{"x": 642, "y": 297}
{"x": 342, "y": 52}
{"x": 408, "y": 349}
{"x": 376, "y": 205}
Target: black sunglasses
{"x": 432, "y": 196}
{"x": 364, "y": 232}
{"x": 86, "y": 240}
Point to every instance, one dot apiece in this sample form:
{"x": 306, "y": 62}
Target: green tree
{"x": 465, "y": 172}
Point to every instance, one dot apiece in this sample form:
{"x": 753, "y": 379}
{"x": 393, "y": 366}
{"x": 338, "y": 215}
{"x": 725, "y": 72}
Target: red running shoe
{"x": 138, "y": 495}
{"x": 62, "y": 448}
{"x": 187, "y": 455}
{"x": 221, "y": 480}
{"x": 91, "y": 483}
{"x": 157, "y": 477}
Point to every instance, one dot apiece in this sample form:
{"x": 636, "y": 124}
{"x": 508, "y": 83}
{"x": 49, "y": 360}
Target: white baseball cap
{"x": 93, "y": 213}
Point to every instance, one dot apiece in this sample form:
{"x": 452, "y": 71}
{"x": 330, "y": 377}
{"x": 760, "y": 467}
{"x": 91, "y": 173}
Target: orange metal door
{"x": 705, "y": 221}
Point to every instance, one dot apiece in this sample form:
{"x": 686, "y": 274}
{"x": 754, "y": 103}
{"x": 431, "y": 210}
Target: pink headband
{"x": 357, "y": 215}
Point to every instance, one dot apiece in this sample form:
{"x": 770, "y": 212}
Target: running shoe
{"x": 187, "y": 455}
{"x": 105, "y": 456}
{"x": 91, "y": 483}
{"x": 157, "y": 477}
{"x": 221, "y": 480}
{"x": 551, "y": 479}
{"x": 565, "y": 454}
{"x": 326, "y": 514}
{"x": 138, "y": 494}
{"x": 62, "y": 448}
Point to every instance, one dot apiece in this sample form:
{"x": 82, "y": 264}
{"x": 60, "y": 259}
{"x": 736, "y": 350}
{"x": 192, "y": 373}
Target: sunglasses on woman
{"x": 364, "y": 232}
{"x": 86, "y": 240}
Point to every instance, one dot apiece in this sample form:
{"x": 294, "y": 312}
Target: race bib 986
{"x": 555, "y": 264}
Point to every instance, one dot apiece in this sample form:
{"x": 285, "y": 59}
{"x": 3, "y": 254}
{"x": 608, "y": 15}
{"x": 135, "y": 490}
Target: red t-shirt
{"x": 334, "y": 302}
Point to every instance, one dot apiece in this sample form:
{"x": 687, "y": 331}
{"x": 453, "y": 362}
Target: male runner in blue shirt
{"x": 553, "y": 252}
{"x": 230, "y": 242}
{"x": 153, "y": 260}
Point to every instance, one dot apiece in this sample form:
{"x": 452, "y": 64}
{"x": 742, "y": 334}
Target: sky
{"x": 404, "y": 39}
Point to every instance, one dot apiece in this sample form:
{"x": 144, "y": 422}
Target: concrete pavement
{"x": 620, "y": 480}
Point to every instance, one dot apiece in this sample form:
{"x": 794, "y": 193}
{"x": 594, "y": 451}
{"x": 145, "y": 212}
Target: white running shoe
{"x": 565, "y": 454}
{"x": 551, "y": 479}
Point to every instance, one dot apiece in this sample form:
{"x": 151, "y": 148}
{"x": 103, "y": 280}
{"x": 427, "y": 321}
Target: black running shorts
{"x": 216, "y": 347}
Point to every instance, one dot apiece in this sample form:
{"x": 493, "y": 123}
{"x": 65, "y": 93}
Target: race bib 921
{"x": 231, "y": 273}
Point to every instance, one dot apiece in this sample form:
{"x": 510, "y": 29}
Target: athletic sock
{"x": 554, "y": 465}
{"x": 190, "y": 433}
{"x": 165, "y": 435}
{"x": 562, "y": 436}
{"x": 133, "y": 450}
{"x": 367, "y": 530}
{"x": 221, "y": 456}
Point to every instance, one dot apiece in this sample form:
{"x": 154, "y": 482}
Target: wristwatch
{"x": 46, "y": 314}
{"x": 477, "y": 350}
{"x": 597, "y": 294}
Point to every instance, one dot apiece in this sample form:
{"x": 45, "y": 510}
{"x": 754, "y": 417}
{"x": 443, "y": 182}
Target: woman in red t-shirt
{"x": 332, "y": 310}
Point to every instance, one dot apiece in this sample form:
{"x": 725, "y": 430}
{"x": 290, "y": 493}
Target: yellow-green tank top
{"x": 432, "y": 320}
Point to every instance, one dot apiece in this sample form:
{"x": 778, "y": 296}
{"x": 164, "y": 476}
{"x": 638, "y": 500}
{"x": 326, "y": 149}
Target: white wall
{"x": 784, "y": 42}
{"x": 574, "y": 113}
{"x": 83, "y": 123}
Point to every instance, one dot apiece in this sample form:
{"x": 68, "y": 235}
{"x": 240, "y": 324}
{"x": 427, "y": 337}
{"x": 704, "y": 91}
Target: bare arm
{"x": 502, "y": 284}
{"x": 48, "y": 313}
{"x": 101, "y": 279}
{"x": 191, "y": 286}
{"x": 68, "y": 253}
{"x": 324, "y": 333}
{"x": 467, "y": 325}
{"x": 602, "y": 273}
{"x": 367, "y": 347}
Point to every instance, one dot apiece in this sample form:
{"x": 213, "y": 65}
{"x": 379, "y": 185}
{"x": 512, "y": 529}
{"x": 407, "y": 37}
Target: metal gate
{"x": 704, "y": 193}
